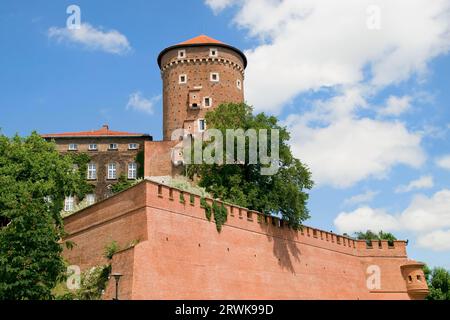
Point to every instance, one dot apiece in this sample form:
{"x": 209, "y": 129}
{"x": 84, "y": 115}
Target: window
{"x": 112, "y": 171}
{"x": 194, "y": 99}
{"x": 113, "y": 146}
{"x": 69, "y": 203}
{"x": 181, "y": 54}
{"x": 133, "y": 146}
{"x": 213, "y": 52}
{"x": 132, "y": 170}
{"x": 73, "y": 147}
{"x": 238, "y": 84}
{"x": 207, "y": 102}
{"x": 214, "y": 76}
{"x": 182, "y": 79}
{"x": 92, "y": 171}
{"x": 419, "y": 278}
{"x": 93, "y": 146}
{"x": 90, "y": 199}
{"x": 201, "y": 125}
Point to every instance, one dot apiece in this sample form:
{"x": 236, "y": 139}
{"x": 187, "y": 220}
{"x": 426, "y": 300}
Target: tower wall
{"x": 197, "y": 65}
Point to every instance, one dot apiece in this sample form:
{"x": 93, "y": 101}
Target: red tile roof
{"x": 103, "y": 132}
{"x": 201, "y": 39}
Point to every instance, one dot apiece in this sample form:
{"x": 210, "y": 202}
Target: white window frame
{"x": 211, "y": 52}
{"x": 92, "y": 171}
{"x": 113, "y": 144}
{"x": 132, "y": 170}
{"x": 73, "y": 147}
{"x": 112, "y": 171}
{"x": 204, "y": 102}
{"x": 133, "y": 146}
{"x": 69, "y": 203}
{"x": 239, "y": 84}
{"x": 211, "y": 75}
{"x": 93, "y": 147}
{"x": 181, "y": 81}
{"x": 182, "y": 54}
{"x": 90, "y": 199}
{"x": 199, "y": 126}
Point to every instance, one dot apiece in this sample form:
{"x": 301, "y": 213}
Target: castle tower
{"x": 198, "y": 75}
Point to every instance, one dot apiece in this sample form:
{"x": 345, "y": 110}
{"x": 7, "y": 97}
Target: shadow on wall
{"x": 284, "y": 248}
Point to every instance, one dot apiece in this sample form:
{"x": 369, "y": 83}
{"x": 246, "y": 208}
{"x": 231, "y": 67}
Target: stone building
{"x": 112, "y": 154}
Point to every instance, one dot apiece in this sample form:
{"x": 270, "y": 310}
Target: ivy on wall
{"x": 219, "y": 211}
{"x": 140, "y": 164}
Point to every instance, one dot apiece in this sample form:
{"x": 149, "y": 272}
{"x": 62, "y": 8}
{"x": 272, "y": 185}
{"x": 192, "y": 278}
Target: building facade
{"x": 112, "y": 154}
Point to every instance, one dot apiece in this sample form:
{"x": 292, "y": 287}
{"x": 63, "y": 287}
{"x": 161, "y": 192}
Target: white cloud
{"x": 437, "y": 240}
{"x": 361, "y": 198}
{"x": 310, "y": 44}
{"x": 423, "y": 182}
{"x": 91, "y": 38}
{"x": 349, "y": 150}
{"x": 427, "y": 213}
{"x": 426, "y": 217}
{"x": 365, "y": 218}
{"x": 137, "y": 102}
{"x": 444, "y": 162}
{"x": 218, "y": 5}
{"x": 395, "y": 106}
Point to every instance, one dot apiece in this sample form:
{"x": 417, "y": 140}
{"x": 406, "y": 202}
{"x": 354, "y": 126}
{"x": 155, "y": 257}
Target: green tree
{"x": 242, "y": 183}
{"x": 34, "y": 181}
{"x": 369, "y": 235}
{"x": 438, "y": 280}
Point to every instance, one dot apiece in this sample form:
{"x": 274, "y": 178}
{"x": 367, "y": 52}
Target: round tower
{"x": 198, "y": 75}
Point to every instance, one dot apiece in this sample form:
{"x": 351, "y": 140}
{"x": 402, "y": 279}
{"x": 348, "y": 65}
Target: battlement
{"x": 171, "y": 236}
{"x": 182, "y": 202}
{"x": 197, "y": 61}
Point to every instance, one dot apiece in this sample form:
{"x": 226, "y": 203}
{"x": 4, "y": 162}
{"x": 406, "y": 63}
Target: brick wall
{"x": 197, "y": 66}
{"x": 184, "y": 257}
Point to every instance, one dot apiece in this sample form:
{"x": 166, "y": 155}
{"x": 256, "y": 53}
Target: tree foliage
{"x": 34, "y": 181}
{"x": 369, "y": 235}
{"x": 438, "y": 280}
{"x": 242, "y": 183}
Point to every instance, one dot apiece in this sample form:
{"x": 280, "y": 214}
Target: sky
{"x": 363, "y": 87}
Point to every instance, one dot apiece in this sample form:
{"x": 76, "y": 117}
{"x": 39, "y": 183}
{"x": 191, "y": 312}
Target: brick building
{"x": 170, "y": 250}
{"x": 112, "y": 154}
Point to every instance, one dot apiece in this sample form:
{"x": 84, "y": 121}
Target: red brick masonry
{"x": 180, "y": 254}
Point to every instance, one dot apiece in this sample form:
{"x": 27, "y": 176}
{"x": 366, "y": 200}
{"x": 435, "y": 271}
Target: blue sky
{"x": 364, "y": 90}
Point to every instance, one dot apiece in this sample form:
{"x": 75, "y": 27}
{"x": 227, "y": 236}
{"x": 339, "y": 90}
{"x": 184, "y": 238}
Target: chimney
{"x": 105, "y": 126}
